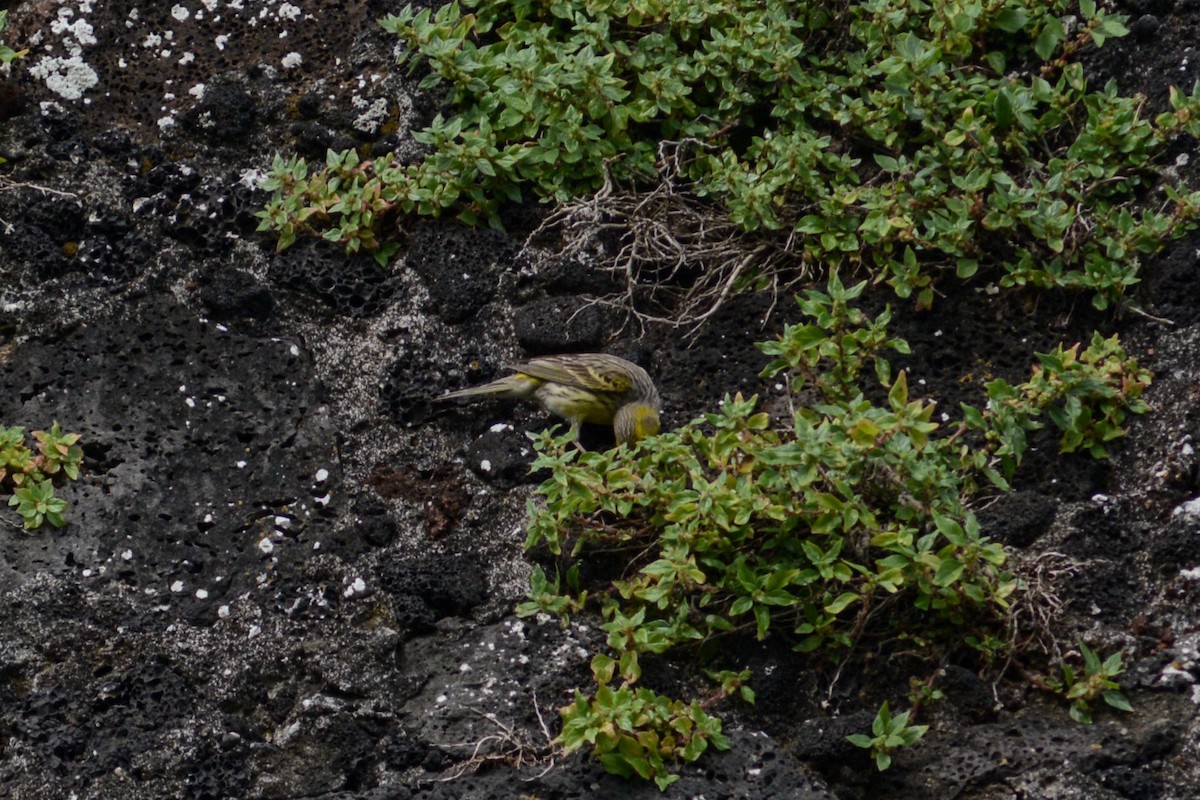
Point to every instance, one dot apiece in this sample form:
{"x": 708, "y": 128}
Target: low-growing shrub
{"x": 909, "y": 139}
{"x": 850, "y": 520}
{"x": 30, "y": 474}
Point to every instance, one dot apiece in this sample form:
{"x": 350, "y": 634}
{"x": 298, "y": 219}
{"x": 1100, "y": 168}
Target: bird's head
{"x": 635, "y": 421}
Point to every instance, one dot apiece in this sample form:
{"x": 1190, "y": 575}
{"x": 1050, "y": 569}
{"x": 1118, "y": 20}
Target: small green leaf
{"x": 1048, "y": 40}
{"x": 1011, "y": 20}
{"x": 842, "y": 602}
{"x": 948, "y": 572}
{"x": 1003, "y": 109}
{"x": 1117, "y": 700}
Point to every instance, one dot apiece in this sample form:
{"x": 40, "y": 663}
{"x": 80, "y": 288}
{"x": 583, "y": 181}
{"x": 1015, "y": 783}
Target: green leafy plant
{"x": 1096, "y": 682}
{"x": 36, "y": 503}
{"x": 30, "y": 474}
{"x": 890, "y": 733}
{"x": 7, "y": 54}
{"x": 637, "y": 731}
{"x": 922, "y": 692}
{"x": 1087, "y": 396}
{"x": 809, "y": 528}
{"x": 909, "y": 139}
{"x": 546, "y": 596}
{"x": 734, "y": 683}
{"x": 344, "y": 203}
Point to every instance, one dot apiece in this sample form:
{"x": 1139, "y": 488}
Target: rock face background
{"x": 286, "y": 577}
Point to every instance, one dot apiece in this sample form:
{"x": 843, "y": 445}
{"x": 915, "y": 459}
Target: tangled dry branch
{"x": 507, "y": 746}
{"x": 678, "y": 256}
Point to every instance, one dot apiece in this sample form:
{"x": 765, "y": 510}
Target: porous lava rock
{"x": 290, "y": 573}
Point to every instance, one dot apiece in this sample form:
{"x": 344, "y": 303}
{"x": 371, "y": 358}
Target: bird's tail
{"x": 510, "y": 387}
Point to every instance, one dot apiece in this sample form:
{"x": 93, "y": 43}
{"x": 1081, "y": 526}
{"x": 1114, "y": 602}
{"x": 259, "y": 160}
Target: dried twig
{"x": 675, "y": 252}
{"x": 7, "y": 185}
{"x": 507, "y": 746}
{"x": 1035, "y": 609}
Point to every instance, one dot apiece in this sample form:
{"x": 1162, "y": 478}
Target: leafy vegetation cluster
{"x": 30, "y": 475}
{"x": 635, "y": 731}
{"x": 7, "y": 54}
{"x": 1098, "y": 682}
{"x": 909, "y": 139}
{"x": 852, "y": 522}
{"x": 890, "y": 732}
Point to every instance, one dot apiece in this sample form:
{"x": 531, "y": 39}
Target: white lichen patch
{"x": 68, "y": 77}
{"x": 372, "y": 114}
{"x": 80, "y": 31}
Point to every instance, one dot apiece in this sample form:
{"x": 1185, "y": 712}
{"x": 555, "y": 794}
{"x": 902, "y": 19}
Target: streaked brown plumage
{"x": 585, "y": 387}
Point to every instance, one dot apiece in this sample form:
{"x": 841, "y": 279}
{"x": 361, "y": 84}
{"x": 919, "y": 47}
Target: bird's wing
{"x": 586, "y": 372}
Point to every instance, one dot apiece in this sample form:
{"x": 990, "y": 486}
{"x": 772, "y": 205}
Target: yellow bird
{"x": 586, "y": 387}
